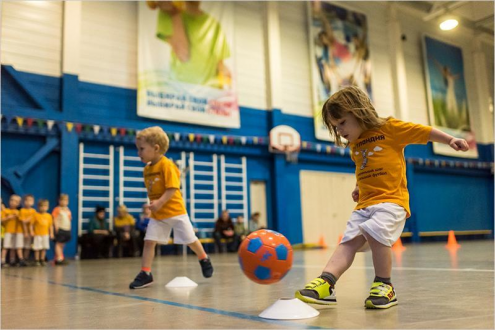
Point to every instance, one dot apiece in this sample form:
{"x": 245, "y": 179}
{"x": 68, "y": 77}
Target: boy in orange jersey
{"x": 12, "y": 241}
{"x": 162, "y": 181}
{"x": 42, "y": 232}
{"x": 26, "y": 215}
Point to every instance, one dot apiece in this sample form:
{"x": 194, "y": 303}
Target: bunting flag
{"x": 255, "y": 140}
{"x": 122, "y": 131}
{"x": 318, "y": 147}
{"x": 230, "y": 140}
{"x": 69, "y": 126}
{"x": 130, "y": 132}
{"x": 78, "y": 128}
{"x": 87, "y": 129}
{"x": 177, "y": 136}
{"x": 243, "y": 140}
{"x": 205, "y": 139}
{"x": 96, "y": 129}
{"x": 40, "y": 123}
{"x": 191, "y": 137}
{"x": 29, "y": 122}
{"x": 19, "y": 121}
{"x": 211, "y": 138}
{"x": 224, "y": 140}
{"x": 50, "y": 124}
{"x": 304, "y": 144}
{"x": 198, "y": 138}
{"x": 113, "y": 131}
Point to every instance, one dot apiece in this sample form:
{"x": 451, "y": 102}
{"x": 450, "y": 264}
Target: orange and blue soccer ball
{"x": 265, "y": 256}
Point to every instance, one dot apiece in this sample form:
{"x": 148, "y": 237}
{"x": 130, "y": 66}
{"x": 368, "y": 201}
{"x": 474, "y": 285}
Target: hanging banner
{"x": 447, "y": 96}
{"x": 185, "y": 62}
{"x": 340, "y": 55}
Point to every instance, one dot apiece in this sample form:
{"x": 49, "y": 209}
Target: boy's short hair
{"x": 63, "y": 196}
{"x": 155, "y": 135}
{"x": 28, "y": 196}
{"x": 122, "y": 207}
{"x": 42, "y": 201}
{"x": 15, "y": 196}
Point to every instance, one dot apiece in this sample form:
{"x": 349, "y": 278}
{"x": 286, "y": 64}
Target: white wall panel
{"x": 296, "y": 72}
{"x": 109, "y": 43}
{"x": 32, "y": 36}
{"x": 249, "y": 53}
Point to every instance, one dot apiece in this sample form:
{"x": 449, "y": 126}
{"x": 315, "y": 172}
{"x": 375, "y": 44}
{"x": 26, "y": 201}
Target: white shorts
{"x": 9, "y": 240}
{"x": 41, "y": 242}
{"x": 384, "y": 222}
{"x": 159, "y": 230}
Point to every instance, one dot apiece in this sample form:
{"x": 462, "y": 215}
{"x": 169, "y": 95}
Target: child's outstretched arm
{"x": 158, "y": 203}
{"x": 455, "y": 143}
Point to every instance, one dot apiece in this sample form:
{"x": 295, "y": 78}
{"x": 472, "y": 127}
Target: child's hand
{"x": 155, "y": 206}
{"x": 355, "y": 194}
{"x": 459, "y": 144}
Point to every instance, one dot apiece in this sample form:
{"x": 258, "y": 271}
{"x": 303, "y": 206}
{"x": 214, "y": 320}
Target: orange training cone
{"x": 452, "y": 241}
{"x": 322, "y": 243}
{"x": 398, "y": 246}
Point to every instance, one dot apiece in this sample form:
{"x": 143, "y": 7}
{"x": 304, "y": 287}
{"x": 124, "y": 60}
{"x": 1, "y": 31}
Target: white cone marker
{"x": 181, "y": 282}
{"x": 289, "y": 309}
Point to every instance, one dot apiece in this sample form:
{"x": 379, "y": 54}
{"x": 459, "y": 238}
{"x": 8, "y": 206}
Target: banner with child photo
{"x": 340, "y": 56}
{"x": 185, "y": 62}
{"x": 447, "y": 95}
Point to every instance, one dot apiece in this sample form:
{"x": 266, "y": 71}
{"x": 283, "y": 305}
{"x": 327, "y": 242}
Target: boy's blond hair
{"x": 15, "y": 197}
{"x": 354, "y": 100}
{"x": 155, "y": 135}
{"x": 122, "y": 207}
{"x": 63, "y": 196}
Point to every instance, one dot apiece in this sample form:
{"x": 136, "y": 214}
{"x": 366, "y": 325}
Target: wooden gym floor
{"x": 437, "y": 289}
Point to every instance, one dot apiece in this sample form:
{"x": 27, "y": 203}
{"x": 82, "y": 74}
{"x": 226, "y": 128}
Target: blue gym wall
{"x": 441, "y": 198}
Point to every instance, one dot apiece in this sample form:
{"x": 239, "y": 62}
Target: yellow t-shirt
{"x": 380, "y": 164}
{"x": 159, "y": 177}
{"x": 127, "y": 220}
{"x": 27, "y": 215}
{"x": 10, "y": 225}
{"x": 42, "y": 223}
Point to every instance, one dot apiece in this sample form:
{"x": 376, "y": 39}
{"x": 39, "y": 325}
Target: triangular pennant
{"x": 191, "y": 137}
{"x": 198, "y": 138}
{"x": 113, "y": 131}
{"x": 29, "y": 122}
{"x": 40, "y": 123}
{"x": 211, "y": 138}
{"x": 304, "y": 144}
{"x": 50, "y": 124}
{"x": 342, "y": 151}
{"x": 87, "y": 128}
{"x": 318, "y": 147}
{"x": 130, "y": 132}
{"x": 69, "y": 126}
{"x": 328, "y": 149}
{"x": 96, "y": 129}
{"x": 78, "y": 128}
{"x": 205, "y": 139}
{"x": 260, "y": 140}
{"x": 176, "y": 136}
{"x": 224, "y": 140}
{"x": 19, "y": 120}
{"x": 255, "y": 140}
{"x": 122, "y": 131}
{"x": 243, "y": 140}
{"x": 231, "y": 140}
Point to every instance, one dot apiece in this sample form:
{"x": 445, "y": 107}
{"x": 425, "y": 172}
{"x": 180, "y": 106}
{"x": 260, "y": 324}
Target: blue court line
{"x": 176, "y": 304}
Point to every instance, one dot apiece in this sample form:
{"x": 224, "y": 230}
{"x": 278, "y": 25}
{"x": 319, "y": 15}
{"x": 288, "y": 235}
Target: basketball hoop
{"x": 285, "y": 139}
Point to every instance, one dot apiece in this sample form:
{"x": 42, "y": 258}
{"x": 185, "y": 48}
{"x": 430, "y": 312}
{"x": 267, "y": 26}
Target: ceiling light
{"x": 448, "y": 24}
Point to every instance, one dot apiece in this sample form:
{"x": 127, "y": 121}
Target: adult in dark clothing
{"x": 224, "y": 228}
{"x": 99, "y": 234}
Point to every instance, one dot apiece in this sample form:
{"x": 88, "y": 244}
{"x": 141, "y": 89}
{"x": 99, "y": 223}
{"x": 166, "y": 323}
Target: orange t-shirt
{"x": 380, "y": 164}
{"x": 26, "y": 216}
{"x": 160, "y": 177}
{"x": 10, "y": 225}
{"x": 42, "y": 223}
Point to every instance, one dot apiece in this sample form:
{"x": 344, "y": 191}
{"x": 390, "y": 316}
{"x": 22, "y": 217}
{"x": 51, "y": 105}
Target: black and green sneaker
{"x": 382, "y": 296}
{"x": 318, "y": 291}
